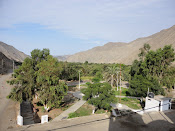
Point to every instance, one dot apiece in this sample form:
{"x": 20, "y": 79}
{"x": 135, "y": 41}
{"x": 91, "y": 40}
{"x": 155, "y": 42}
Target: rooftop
{"x": 161, "y": 98}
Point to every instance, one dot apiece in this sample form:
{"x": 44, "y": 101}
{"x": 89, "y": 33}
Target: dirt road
{"x": 7, "y": 107}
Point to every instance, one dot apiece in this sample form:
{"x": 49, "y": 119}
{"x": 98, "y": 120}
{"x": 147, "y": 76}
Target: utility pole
{"x": 120, "y": 82}
{"x": 13, "y": 65}
{"x": 119, "y": 104}
{"x": 79, "y": 80}
{"x": 117, "y": 81}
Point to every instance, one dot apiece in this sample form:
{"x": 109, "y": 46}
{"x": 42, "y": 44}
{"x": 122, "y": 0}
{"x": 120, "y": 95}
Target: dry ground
{"x": 54, "y": 112}
{"x": 8, "y": 108}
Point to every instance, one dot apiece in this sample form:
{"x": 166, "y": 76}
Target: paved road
{"x": 78, "y": 94}
{"x": 75, "y": 83}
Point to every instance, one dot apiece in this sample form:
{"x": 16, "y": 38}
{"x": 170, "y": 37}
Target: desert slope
{"x": 11, "y": 52}
{"x": 118, "y": 52}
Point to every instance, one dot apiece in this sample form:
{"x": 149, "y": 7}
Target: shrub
{"x": 72, "y": 115}
{"x": 125, "y": 99}
{"x": 43, "y": 110}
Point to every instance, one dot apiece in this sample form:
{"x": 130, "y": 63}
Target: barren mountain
{"x": 62, "y": 58}
{"x": 126, "y": 53}
{"x": 12, "y": 53}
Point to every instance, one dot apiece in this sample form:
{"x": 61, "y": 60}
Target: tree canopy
{"x": 151, "y": 71}
{"x": 39, "y": 75}
{"x": 100, "y": 95}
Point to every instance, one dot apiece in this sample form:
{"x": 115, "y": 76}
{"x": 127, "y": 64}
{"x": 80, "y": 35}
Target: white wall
{"x": 151, "y": 104}
{"x": 164, "y": 105}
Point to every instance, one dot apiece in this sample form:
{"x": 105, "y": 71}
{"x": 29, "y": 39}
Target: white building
{"x": 158, "y": 103}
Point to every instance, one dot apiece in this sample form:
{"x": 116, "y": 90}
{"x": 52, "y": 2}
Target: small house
{"x": 157, "y": 103}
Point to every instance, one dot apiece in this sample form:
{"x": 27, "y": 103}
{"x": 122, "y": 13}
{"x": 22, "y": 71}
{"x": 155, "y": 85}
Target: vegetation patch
{"x": 100, "y": 95}
{"x": 100, "y": 111}
{"x": 132, "y": 103}
{"x": 87, "y": 78}
{"x": 85, "y": 110}
{"x": 123, "y": 91}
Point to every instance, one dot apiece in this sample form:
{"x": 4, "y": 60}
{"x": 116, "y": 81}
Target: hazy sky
{"x": 70, "y": 26}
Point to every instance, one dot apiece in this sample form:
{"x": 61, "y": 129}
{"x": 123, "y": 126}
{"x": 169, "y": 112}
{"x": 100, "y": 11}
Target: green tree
{"x": 144, "y": 51}
{"x": 153, "y": 70}
{"x": 51, "y": 91}
{"x": 100, "y": 95}
{"x": 140, "y": 84}
{"x": 111, "y": 74}
{"x": 169, "y": 78}
{"x": 39, "y": 75}
{"x": 23, "y": 82}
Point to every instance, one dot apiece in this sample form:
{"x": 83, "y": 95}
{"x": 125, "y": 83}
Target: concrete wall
{"x": 165, "y": 105}
{"x": 151, "y": 104}
{"x": 154, "y": 105}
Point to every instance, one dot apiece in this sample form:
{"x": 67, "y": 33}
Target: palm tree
{"x": 111, "y": 75}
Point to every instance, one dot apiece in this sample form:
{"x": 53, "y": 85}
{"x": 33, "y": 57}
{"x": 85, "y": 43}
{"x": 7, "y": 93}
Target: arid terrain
{"x": 126, "y": 53}
{"x": 8, "y": 108}
{"x": 11, "y": 52}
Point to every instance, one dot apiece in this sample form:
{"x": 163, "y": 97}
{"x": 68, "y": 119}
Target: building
{"x": 5, "y": 63}
{"x": 157, "y": 103}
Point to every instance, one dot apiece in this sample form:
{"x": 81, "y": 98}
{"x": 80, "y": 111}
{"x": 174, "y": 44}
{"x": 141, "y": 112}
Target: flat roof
{"x": 161, "y": 98}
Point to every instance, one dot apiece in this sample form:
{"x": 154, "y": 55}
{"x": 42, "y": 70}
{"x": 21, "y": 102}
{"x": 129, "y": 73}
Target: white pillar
{"x": 20, "y": 120}
{"x": 44, "y": 119}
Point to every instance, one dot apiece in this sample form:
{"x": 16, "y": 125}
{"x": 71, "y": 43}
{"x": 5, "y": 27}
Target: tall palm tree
{"x": 111, "y": 75}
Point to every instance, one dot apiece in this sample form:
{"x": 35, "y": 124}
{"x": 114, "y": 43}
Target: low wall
{"x": 19, "y": 117}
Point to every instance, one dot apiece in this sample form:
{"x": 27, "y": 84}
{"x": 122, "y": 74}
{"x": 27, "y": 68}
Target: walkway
{"x": 26, "y": 113}
{"x": 72, "y": 109}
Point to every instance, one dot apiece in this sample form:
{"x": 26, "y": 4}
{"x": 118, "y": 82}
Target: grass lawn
{"x": 85, "y": 110}
{"x": 87, "y": 78}
{"x": 123, "y": 91}
{"x": 132, "y": 103}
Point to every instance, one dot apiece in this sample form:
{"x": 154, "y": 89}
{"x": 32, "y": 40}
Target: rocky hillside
{"x": 117, "y": 52}
{"x": 12, "y": 53}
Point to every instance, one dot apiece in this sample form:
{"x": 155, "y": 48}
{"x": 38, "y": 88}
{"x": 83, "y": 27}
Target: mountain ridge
{"x": 12, "y": 53}
{"x": 126, "y": 53}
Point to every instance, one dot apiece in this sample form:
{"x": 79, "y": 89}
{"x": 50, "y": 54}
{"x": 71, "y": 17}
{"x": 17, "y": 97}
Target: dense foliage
{"x": 100, "y": 95}
{"x": 112, "y": 75}
{"x": 39, "y": 75}
{"x": 152, "y": 71}
{"x": 97, "y": 71}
